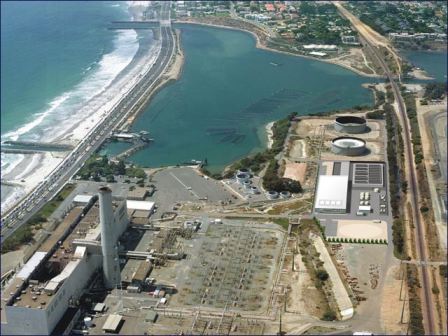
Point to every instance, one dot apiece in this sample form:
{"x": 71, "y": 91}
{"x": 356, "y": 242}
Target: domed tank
{"x": 348, "y": 146}
{"x": 350, "y": 124}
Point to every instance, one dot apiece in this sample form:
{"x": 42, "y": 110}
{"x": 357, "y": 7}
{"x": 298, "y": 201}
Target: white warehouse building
{"x": 331, "y": 194}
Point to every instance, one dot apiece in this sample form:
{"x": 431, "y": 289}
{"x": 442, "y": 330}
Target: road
{"x": 56, "y": 180}
{"x": 413, "y": 191}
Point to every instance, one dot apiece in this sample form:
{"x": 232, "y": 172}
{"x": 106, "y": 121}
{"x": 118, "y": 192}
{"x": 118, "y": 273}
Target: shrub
{"x": 329, "y": 315}
{"x": 322, "y": 275}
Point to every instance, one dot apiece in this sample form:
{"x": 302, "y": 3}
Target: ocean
{"x": 55, "y": 56}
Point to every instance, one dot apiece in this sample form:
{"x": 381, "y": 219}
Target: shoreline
{"x": 270, "y": 134}
{"x": 261, "y": 46}
{"x": 36, "y": 167}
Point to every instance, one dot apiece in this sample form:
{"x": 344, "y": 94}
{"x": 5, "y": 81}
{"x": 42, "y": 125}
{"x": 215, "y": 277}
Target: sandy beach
{"x": 32, "y": 169}
{"x": 269, "y": 134}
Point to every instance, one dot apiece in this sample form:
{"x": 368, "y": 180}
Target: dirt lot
{"x": 362, "y": 229}
{"x": 295, "y": 171}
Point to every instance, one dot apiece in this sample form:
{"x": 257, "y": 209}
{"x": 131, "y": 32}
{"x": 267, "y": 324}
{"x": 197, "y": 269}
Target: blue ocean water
{"x": 54, "y": 55}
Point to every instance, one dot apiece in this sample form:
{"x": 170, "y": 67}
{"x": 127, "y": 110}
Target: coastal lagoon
{"x": 433, "y": 62}
{"x": 227, "y": 93}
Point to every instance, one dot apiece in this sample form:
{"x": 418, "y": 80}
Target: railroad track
{"x": 413, "y": 191}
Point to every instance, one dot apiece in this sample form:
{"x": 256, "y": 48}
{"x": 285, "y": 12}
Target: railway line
{"x": 413, "y": 191}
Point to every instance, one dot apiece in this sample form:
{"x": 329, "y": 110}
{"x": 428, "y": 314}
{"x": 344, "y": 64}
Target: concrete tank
{"x": 350, "y": 124}
{"x": 285, "y": 194}
{"x": 246, "y": 184}
{"x": 348, "y": 146}
{"x": 272, "y": 194}
{"x": 243, "y": 171}
{"x": 111, "y": 269}
{"x": 242, "y": 177}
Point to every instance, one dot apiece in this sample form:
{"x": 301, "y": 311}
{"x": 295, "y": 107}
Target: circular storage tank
{"x": 243, "y": 171}
{"x": 285, "y": 194}
{"x": 272, "y": 194}
{"x": 350, "y": 124}
{"x": 254, "y": 190}
{"x": 246, "y": 184}
{"x": 348, "y": 146}
{"x": 242, "y": 177}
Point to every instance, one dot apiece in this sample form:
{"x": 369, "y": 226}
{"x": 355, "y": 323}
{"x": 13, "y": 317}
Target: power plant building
{"x": 55, "y": 277}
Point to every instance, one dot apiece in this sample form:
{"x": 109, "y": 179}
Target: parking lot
{"x": 185, "y": 184}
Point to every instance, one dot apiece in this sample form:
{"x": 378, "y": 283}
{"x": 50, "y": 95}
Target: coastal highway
{"x": 413, "y": 191}
{"x": 56, "y": 180}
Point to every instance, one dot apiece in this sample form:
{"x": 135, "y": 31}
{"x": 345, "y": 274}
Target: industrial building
{"x": 331, "y": 194}
{"x": 53, "y": 280}
{"x": 351, "y": 186}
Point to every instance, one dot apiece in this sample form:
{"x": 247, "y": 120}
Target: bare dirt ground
{"x": 295, "y": 171}
{"x": 391, "y": 306}
{"x": 362, "y": 229}
{"x": 11, "y": 260}
{"x": 424, "y": 113}
{"x": 298, "y": 149}
{"x": 355, "y": 59}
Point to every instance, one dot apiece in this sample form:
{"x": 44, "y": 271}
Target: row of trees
{"x": 357, "y": 240}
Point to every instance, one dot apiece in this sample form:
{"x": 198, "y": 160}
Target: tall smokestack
{"x": 111, "y": 269}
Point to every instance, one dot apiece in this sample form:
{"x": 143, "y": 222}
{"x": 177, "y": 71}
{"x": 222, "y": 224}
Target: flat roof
{"x": 141, "y": 214}
{"x": 332, "y": 192}
{"x": 112, "y": 322}
{"x": 82, "y": 198}
{"x": 31, "y": 265}
{"x": 140, "y": 205}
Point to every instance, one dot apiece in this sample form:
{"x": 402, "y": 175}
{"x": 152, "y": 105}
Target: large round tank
{"x": 348, "y": 146}
{"x": 350, "y": 124}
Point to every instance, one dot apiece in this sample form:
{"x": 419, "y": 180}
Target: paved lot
{"x": 184, "y": 184}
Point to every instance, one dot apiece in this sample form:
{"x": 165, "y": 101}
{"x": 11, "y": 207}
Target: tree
{"x": 121, "y": 168}
{"x": 329, "y": 315}
{"x": 322, "y": 275}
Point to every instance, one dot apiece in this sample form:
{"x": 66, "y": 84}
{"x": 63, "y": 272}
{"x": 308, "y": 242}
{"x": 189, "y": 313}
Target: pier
{"x": 122, "y": 25}
{"x": 32, "y": 147}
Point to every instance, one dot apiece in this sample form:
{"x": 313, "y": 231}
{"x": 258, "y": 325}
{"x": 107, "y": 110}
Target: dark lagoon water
{"x": 227, "y": 93}
{"x": 433, "y": 62}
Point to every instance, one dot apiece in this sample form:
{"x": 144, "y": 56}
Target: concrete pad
{"x": 361, "y": 229}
